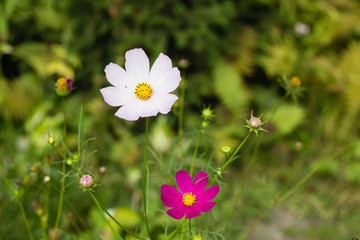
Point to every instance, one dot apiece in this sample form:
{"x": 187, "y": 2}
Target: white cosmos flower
{"x": 139, "y": 91}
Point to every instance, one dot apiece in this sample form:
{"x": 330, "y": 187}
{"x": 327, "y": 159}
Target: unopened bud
{"x": 183, "y": 63}
{"x": 69, "y": 161}
{"x": 226, "y": 149}
{"x": 86, "y": 181}
{"x": 255, "y": 122}
{"x": 51, "y": 140}
{"x": 197, "y": 237}
{"x": 207, "y": 113}
{"x": 204, "y": 124}
{"x": 46, "y": 179}
{"x": 102, "y": 170}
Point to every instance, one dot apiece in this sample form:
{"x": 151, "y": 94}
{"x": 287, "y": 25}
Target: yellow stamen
{"x": 61, "y": 84}
{"x": 143, "y": 90}
{"x": 189, "y": 199}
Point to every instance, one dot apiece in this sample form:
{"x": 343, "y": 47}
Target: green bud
{"x": 226, "y": 149}
{"x": 69, "y": 161}
{"x": 197, "y": 237}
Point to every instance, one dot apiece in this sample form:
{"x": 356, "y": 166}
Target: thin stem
{"x": 195, "y": 153}
{"x": 236, "y": 151}
{"x": 79, "y": 131}
{"x": 27, "y": 225}
{"x": 60, "y": 200}
{"x": 145, "y": 179}
{"x": 102, "y": 214}
{"x": 121, "y": 226}
{"x": 230, "y": 159}
{"x": 58, "y": 215}
{"x": 175, "y": 230}
{"x": 190, "y": 228}
{"x": 181, "y": 111}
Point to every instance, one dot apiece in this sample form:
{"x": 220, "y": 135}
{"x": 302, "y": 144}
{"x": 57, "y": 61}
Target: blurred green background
{"x": 238, "y": 52}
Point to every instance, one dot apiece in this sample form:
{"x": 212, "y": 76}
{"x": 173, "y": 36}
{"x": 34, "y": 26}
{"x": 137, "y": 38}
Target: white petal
{"x": 117, "y": 76}
{"x": 163, "y": 102}
{"x": 147, "y": 108}
{"x": 115, "y": 96}
{"x": 158, "y": 70}
{"x": 128, "y": 112}
{"x": 137, "y": 65}
{"x": 168, "y": 83}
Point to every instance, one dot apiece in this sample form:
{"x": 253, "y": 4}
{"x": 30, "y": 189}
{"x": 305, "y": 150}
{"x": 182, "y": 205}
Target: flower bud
{"x": 204, "y": 124}
{"x": 46, "y": 179}
{"x": 102, "y": 170}
{"x": 51, "y": 140}
{"x": 255, "y": 122}
{"x": 183, "y": 63}
{"x": 226, "y": 149}
{"x": 69, "y": 161}
{"x": 86, "y": 181}
{"x": 207, "y": 113}
{"x": 197, "y": 237}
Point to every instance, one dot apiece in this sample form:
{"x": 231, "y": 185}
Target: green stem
{"x": 27, "y": 225}
{"x": 175, "y": 230}
{"x": 121, "y": 226}
{"x": 190, "y": 228}
{"x": 105, "y": 219}
{"x": 230, "y": 159}
{"x": 60, "y": 200}
{"x": 181, "y": 111}
{"x": 145, "y": 179}
{"x": 195, "y": 153}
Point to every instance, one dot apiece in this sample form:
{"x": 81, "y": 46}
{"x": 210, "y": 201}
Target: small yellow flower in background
{"x": 139, "y": 90}
{"x": 64, "y": 86}
{"x": 295, "y": 82}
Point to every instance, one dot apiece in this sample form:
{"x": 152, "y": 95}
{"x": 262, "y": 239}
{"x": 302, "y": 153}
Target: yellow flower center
{"x": 143, "y": 90}
{"x": 189, "y": 199}
{"x": 61, "y": 84}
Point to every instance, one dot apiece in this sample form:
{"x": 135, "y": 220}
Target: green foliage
{"x": 229, "y": 86}
{"x": 236, "y": 52}
{"x": 287, "y": 118}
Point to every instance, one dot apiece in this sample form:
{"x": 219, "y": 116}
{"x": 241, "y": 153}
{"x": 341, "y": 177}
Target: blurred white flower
{"x": 301, "y": 29}
{"x": 139, "y": 91}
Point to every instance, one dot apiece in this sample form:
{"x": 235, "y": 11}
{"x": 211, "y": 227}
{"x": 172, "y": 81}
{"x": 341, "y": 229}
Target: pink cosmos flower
{"x": 193, "y": 199}
{"x": 141, "y": 91}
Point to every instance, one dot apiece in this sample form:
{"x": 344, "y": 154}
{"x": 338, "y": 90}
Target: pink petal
{"x": 128, "y": 112}
{"x": 159, "y": 69}
{"x": 208, "y": 195}
{"x": 117, "y": 76}
{"x": 137, "y": 65}
{"x": 192, "y": 212}
{"x": 170, "y": 196}
{"x": 205, "y": 206}
{"x": 115, "y": 96}
{"x": 183, "y": 181}
{"x": 163, "y": 102}
{"x": 200, "y": 182}
{"x": 177, "y": 212}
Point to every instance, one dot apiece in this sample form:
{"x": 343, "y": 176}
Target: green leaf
{"x": 287, "y": 118}
{"x": 229, "y": 87}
